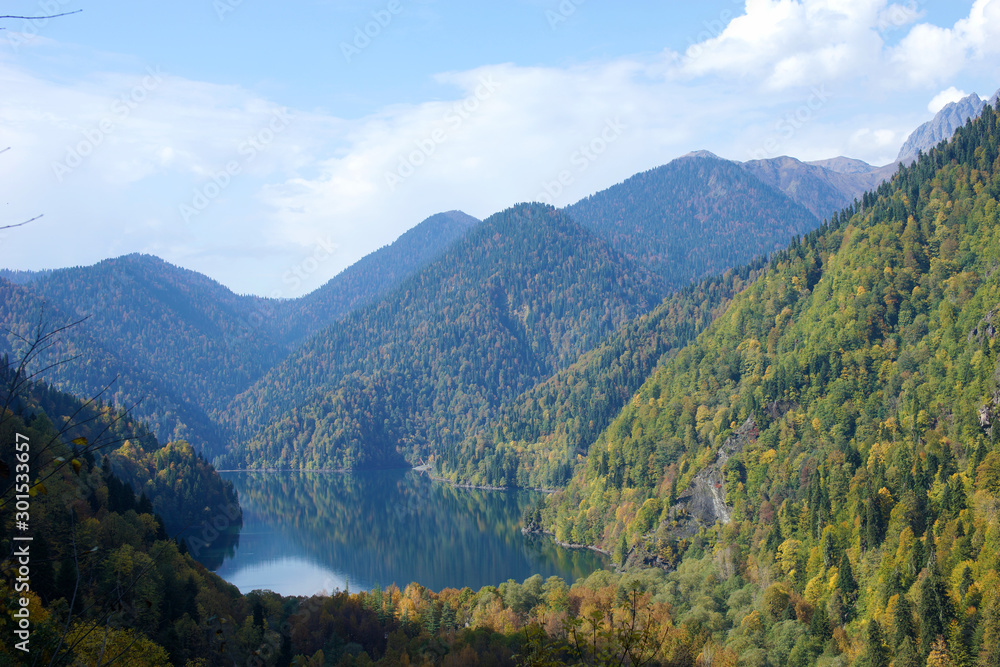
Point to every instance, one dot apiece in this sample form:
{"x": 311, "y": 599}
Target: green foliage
{"x": 117, "y": 588}
{"x": 538, "y": 439}
{"x": 866, "y": 357}
{"x": 181, "y": 345}
{"x": 693, "y": 218}
{"x": 520, "y": 296}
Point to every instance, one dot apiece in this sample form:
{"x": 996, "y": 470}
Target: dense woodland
{"x": 183, "y": 345}
{"x": 693, "y": 218}
{"x": 538, "y": 438}
{"x": 520, "y": 296}
{"x": 844, "y": 393}
{"x": 864, "y": 510}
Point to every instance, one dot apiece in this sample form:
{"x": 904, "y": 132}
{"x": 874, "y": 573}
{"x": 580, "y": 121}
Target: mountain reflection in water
{"x": 305, "y": 532}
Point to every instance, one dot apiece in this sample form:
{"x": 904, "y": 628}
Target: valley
{"x": 766, "y": 389}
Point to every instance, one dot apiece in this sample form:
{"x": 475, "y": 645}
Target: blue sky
{"x": 243, "y": 139}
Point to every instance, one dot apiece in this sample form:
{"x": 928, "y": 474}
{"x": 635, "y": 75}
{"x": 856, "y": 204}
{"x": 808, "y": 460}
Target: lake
{"x": 307, "y": 532}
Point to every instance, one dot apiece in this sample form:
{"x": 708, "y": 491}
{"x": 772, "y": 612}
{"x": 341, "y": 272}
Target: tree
{"x": 989, "y": 654}
{"x": 876, "y": 653}
{"x": 939, "y": 655}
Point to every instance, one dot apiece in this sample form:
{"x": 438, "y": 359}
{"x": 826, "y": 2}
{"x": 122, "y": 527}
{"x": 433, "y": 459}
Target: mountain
{"x": 940, "y": 128}
{"x": 827, "y": 446}
{"x": 536, "y": 439}
{"x": 182, "y": 345}
{"x": 822, "y": 190}
{"x": 521, "y": 295}
{"x": 844, "y": 165}
{"x": 694, "y": 217}
{"x": 374, "y": 275}
{"x": 105, "y": 368}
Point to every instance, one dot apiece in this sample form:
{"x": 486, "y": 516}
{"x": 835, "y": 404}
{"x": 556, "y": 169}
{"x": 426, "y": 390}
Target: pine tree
{"x": 906, "y": 655}
{"x": 903, "y": 627}
{"x": 876, "y": 654}
{"x": 819, "y": 625}
{"x": 931, "y": 610}
{"x": 846, "y": 583}
{"x": 621, "y": 550}
{"x": 989, "y": 653}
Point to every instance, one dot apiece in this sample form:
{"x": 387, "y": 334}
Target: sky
{"x": 271, "y": 145}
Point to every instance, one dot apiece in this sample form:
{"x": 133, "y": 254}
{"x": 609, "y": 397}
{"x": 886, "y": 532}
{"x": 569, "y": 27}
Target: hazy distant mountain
{"x": 953, "y": 116}
{"x": 819, "y": 189}
{"x": 694, "y": 217}
{"x": 21, "y": 277}
{"x": 844, "y": 165}
{"x": 374, "y": 275}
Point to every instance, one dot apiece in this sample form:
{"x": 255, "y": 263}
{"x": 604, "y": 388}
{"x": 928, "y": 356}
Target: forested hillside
{"x": 537, "y": 439}
{"x": 519, "y": 297}
{"x": 109, "y": 586}
{"x": 693, "y": 218}
{"x": 181, "y": 344}
{"x": 861, "y": 487}
{"x": 99, "y": 365}
{"x": 373, "y": 276}
{"x": 177, "y": 482}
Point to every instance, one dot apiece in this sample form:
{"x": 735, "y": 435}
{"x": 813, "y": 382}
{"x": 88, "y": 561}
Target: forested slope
{"x": 101, "y": 364}
{"x": 537, "y": 439}
{"x": 373, "y": 276}
{"x": 181, "y": 344}
{"x": 693, "y": 218}
{"x": 519, "y": 297}
{"x": 863, "y": 490}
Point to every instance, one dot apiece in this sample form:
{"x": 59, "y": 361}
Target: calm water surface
{"x": 309, "y": 532}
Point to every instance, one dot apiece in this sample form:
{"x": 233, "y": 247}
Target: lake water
{"x": 304, "y": 533}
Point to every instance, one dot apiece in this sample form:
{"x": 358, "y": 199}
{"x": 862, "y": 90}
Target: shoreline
{"x": 339, "y": 470}
{"x": 564, "y": 545}
{"x": 461, "y": 485}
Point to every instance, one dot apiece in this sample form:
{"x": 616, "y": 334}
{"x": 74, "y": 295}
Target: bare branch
{"x": 40, "y": 18}
{"x": 21, "y": 224}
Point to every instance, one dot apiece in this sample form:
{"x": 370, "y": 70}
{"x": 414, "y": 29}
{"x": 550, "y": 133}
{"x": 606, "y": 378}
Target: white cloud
{"x": 787, "y": 43}
{"x": 784, "y": 44}
{"x": 785, "y": 77}
{"x": 930, "y": 54}
{"x": 946, "y": 96}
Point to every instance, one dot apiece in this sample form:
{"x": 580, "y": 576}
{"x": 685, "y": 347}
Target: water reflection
{"x": 306, "y": 532}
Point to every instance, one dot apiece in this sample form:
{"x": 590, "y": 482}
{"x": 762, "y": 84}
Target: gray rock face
{"x": 704, "y": 502}
{"x": 953, "y": 116}
{"x": 818, "y": 187}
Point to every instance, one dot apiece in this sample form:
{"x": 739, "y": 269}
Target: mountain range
{"x": 215, "y": 368}
{"x": 787, "y": 408}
